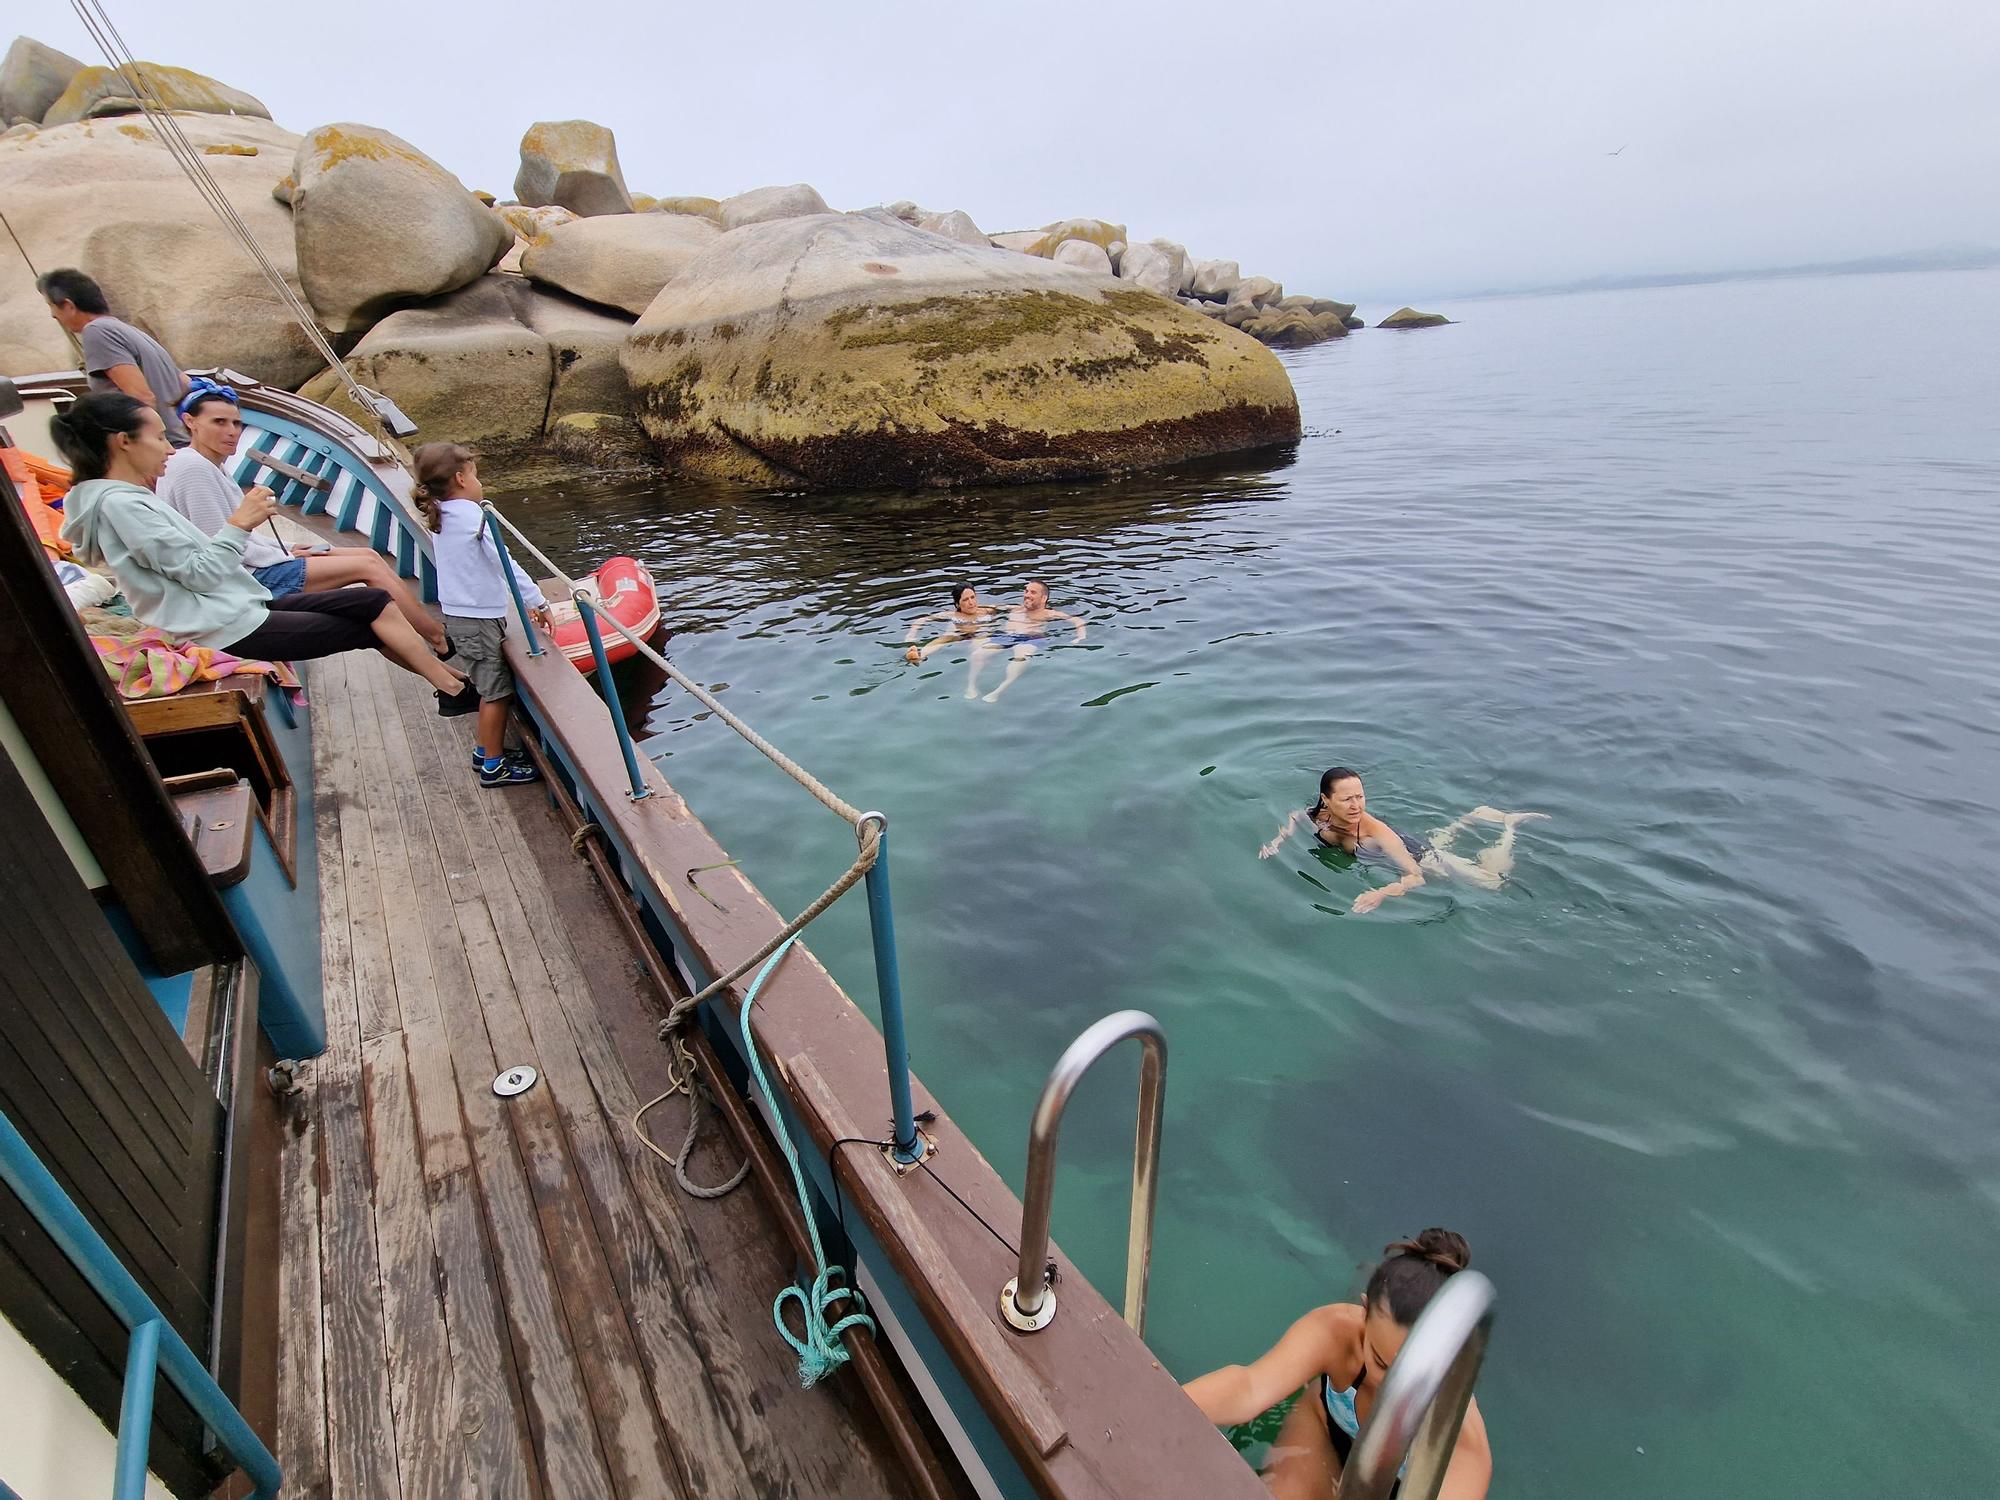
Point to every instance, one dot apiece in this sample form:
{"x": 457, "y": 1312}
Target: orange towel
{"x": 26, "y": 471}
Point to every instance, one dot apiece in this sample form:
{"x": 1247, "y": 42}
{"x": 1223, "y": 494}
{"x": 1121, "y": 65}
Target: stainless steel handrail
{"x": 1424, "y": 1396}
{"x": 1028, "y": 1302}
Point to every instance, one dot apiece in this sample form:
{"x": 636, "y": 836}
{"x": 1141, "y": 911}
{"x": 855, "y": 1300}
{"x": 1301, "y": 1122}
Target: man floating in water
{"x": 1340, "y": 817}
{"x": 1026, "y": 632}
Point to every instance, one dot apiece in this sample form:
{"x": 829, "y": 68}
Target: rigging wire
{"x": 97, "y": 21}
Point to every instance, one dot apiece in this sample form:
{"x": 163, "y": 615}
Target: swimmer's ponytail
{"x": 1413, "y": 1270}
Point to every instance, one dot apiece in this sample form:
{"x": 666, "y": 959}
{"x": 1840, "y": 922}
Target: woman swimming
{"x": 1340, "y": 817}
{"x": 1340, "y": 1354}
{"x": 966, "y": 616}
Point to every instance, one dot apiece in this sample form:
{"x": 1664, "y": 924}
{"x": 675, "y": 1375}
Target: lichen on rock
{"x": 379, "y": 224}
{"x": 175, "y": 89}
{"x": 845, "y": 351}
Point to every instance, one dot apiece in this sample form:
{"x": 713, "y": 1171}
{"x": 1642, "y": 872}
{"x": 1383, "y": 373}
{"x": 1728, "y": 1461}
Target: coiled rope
{"x": 819, "y": 1348}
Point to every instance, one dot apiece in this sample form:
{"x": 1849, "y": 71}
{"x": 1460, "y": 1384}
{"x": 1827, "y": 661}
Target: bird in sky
{"x": 1621, "y": 148}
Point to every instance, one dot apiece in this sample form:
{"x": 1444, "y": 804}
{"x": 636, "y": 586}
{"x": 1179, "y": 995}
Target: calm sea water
{"x": 1713, "y": 1087}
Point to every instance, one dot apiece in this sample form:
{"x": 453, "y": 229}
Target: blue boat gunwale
{"x": 1125, "y": 1425}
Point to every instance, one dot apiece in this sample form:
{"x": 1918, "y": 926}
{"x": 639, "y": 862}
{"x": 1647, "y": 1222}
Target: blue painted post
{"x": 85, "y": 1249}
{"x": 406, "y": 551}
{"x": 889, "y": 985}
{"x": 135, "y": 1412}
{"x": 381, "y": 526}
{"x": 350, "y": 507}
{"x": 610, "y": 690}
{"x": 513, "y": 584}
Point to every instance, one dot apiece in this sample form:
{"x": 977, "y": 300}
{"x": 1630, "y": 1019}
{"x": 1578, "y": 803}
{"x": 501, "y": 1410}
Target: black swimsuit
{"x": 1418, "y": 846}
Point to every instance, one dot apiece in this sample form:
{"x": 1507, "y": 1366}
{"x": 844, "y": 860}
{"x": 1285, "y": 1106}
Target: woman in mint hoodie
{"x": 194, "y": 586}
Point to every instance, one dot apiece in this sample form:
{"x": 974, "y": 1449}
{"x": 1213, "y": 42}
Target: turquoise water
{"x": 1708, "y": 575}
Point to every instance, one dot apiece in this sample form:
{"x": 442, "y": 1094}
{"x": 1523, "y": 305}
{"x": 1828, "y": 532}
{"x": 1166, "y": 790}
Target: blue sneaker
{"x": 506, "y": 772}
{"x": 516, "y": 754}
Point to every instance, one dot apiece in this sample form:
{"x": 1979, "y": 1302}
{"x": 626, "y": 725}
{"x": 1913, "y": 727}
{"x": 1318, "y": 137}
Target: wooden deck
{"x": 510, "y": 1297}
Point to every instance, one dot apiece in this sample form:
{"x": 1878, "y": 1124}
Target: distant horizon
{"x": 1933, "y": 258}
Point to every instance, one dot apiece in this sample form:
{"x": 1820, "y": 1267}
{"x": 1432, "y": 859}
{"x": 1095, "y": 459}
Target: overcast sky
{"x": 1382, "y": 152}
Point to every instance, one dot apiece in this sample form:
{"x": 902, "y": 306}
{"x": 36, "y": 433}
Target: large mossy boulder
{"x": 620, "y": 260}
{"x": 33, "y": 76}
{"x": 491, "y": 365}
{"x": 573, "y": 163}
{"x": 1294, "y": 327}
{"x": 92, "y": 91}
{"x": 379, "y": 224}
{"x": 106, "y": 196}
{"x": 763, "y": 205}
{"x": 852, "y": 351}
{"x": 1409, "y": 317}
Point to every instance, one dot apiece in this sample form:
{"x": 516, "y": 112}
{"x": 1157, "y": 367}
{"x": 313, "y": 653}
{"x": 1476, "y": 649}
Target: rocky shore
{"x": 763, "y": 338}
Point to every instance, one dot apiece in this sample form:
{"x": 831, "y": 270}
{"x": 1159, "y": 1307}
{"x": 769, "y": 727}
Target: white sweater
{"x": 470, "y": 583}
{"x": 202, "y": 492}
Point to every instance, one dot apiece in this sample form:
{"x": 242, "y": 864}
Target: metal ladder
{"x": 1427, "y": 1389}
{"x": 1027, "y": 1301}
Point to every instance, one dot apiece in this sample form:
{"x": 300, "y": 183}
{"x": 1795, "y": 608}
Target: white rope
{"x": 105, "y": 33}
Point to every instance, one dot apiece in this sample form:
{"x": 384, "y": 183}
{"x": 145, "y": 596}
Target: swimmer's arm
{"x": 1470, "y": 1471}
{"x": 914, "y": 655}
{"x": 1278, "y": 839}
{"x": 1077, "y": 620}
{"x": 1236, "y": 1393}
{"x": 919, "y": 623}
{"x": 1391, "y": 844}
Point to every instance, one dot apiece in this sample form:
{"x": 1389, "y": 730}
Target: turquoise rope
{"x": 820, "y": 1351}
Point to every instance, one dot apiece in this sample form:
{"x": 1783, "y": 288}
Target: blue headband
{"x": 200, "y": 389}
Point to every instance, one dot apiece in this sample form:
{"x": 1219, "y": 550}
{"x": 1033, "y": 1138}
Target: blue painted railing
{"x": 154, "y": 1344}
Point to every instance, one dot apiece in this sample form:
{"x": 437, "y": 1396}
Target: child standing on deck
{"x": 472, "y": 588}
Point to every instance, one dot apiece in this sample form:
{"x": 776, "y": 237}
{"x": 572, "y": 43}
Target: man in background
{"x": 116, "y": 356}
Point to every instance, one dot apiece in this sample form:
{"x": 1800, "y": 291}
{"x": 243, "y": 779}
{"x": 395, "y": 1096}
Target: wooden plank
{"x": 999, "y": 1372}
{"x": 561, "y": 1421}
{"x": 824, "y": 1466}
{"x": 359, "y": 1460}
{"x": 301, "y": 1438}
{"x": 866, "y": 1441}
{"x": 634, "y": 1443}
{"x": 491, "y": 1413}
{"x": 374, "y": 988}
{"x": 422, "y": 1393}
{"x": 721, "y": 1451}
{"x": 404, "y": 950}
{"x": 333, "y": 775}
{"x": 305, "y": 478}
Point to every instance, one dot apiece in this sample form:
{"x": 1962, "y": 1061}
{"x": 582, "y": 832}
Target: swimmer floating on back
{"x": 1340, "y": 817}
{"x": 966, "y": 616}
{"x": 1026, "y": 632}
{"x": 1340, "y": 1354}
